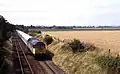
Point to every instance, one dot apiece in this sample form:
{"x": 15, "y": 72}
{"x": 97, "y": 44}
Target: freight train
{"x": 36, "y": 46}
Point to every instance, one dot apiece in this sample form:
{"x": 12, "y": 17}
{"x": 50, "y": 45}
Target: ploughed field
{"x": 103, "y": 39}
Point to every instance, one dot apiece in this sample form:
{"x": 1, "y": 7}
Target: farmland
{"x": 103, "y": 39}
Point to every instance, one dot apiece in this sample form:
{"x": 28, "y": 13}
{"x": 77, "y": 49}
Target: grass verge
{"x": 76, "y": 57}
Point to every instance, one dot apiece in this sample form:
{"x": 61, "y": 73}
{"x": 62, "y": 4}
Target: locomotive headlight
{"x": 33, "y": 50}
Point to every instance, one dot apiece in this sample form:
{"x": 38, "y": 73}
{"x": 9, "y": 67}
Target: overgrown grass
{"x": 111, "y": 63}
{"x": 92, "y": 60}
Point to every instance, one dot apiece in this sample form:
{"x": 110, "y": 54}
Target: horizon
{"x": 71, "y": 26}
{"x": 61, "y": 13}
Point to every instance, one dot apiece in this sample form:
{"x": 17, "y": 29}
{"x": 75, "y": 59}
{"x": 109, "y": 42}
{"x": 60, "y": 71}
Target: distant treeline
{"x": 49, "y": 27}
{"x": 27, "y": 28}
{"x": 22, "y": 28}
{"x": 68, "y": 27}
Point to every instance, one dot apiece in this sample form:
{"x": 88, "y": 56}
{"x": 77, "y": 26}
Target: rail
{"x": 21, "y": 55}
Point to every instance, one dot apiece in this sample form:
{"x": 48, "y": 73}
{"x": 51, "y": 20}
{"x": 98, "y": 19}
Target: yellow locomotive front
{"x": 39, "y": 48}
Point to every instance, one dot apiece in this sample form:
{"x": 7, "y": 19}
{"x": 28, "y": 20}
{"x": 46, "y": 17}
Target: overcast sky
{"x": 61, "y": 12}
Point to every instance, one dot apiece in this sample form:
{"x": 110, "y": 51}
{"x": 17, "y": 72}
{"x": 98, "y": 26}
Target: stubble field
{"x": 103, "y": 39}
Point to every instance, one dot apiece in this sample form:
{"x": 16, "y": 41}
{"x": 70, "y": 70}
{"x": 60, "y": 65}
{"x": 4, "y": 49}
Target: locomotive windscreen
{"x": 33, "y": 41}
{"x": 39, "y": 45}
{"x": 36, "y": 43}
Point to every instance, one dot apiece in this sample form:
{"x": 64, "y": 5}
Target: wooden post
{"x": 109, "y": 51}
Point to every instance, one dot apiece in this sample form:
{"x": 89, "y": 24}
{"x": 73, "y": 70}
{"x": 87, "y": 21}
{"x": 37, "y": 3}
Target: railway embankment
{"x": 5, "y": 46}
{"x": 76, "y": 57}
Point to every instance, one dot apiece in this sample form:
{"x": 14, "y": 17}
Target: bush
{"x": 112, "y": 64}
{"x": 39, "y": 32}
{"x": 76, "y": 45}
{"x": 32, "y": 34}
{"x": 26, "y": 30}
{"x": 88, "y": 46}
{"x": 48, "y": 39}
{"x": 39, "y": 36}
{"x": 108, "y": 61}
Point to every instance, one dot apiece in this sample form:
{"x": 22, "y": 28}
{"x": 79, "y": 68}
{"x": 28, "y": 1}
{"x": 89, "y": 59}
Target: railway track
{"x": 25, "y": 67}
{"x": 51, "y": 68}
{"x": 25, "y": 63}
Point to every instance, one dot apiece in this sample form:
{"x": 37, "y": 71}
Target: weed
{"x": 112, "y": 64}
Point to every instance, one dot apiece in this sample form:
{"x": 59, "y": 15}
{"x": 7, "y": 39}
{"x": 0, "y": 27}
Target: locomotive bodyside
{"x": 23, "y": 36}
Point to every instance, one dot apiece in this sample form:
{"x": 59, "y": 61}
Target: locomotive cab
{"x": 38, "y": 47}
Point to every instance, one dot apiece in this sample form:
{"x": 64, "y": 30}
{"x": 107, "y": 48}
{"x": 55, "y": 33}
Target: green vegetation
{"x": 109, "y": 62}
{"x": 48, "y": 39}
{"x": 78, "y": 46}
{"x": 39, "y": 32}
{"x": 32, "y": 34}
{"x": 22, "y": 28}
{"x": 6, "y": 30}
{"x": 39, "y": 36}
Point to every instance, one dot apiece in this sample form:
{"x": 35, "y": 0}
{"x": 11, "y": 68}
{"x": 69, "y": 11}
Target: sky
{"x": 61, "y": 12}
